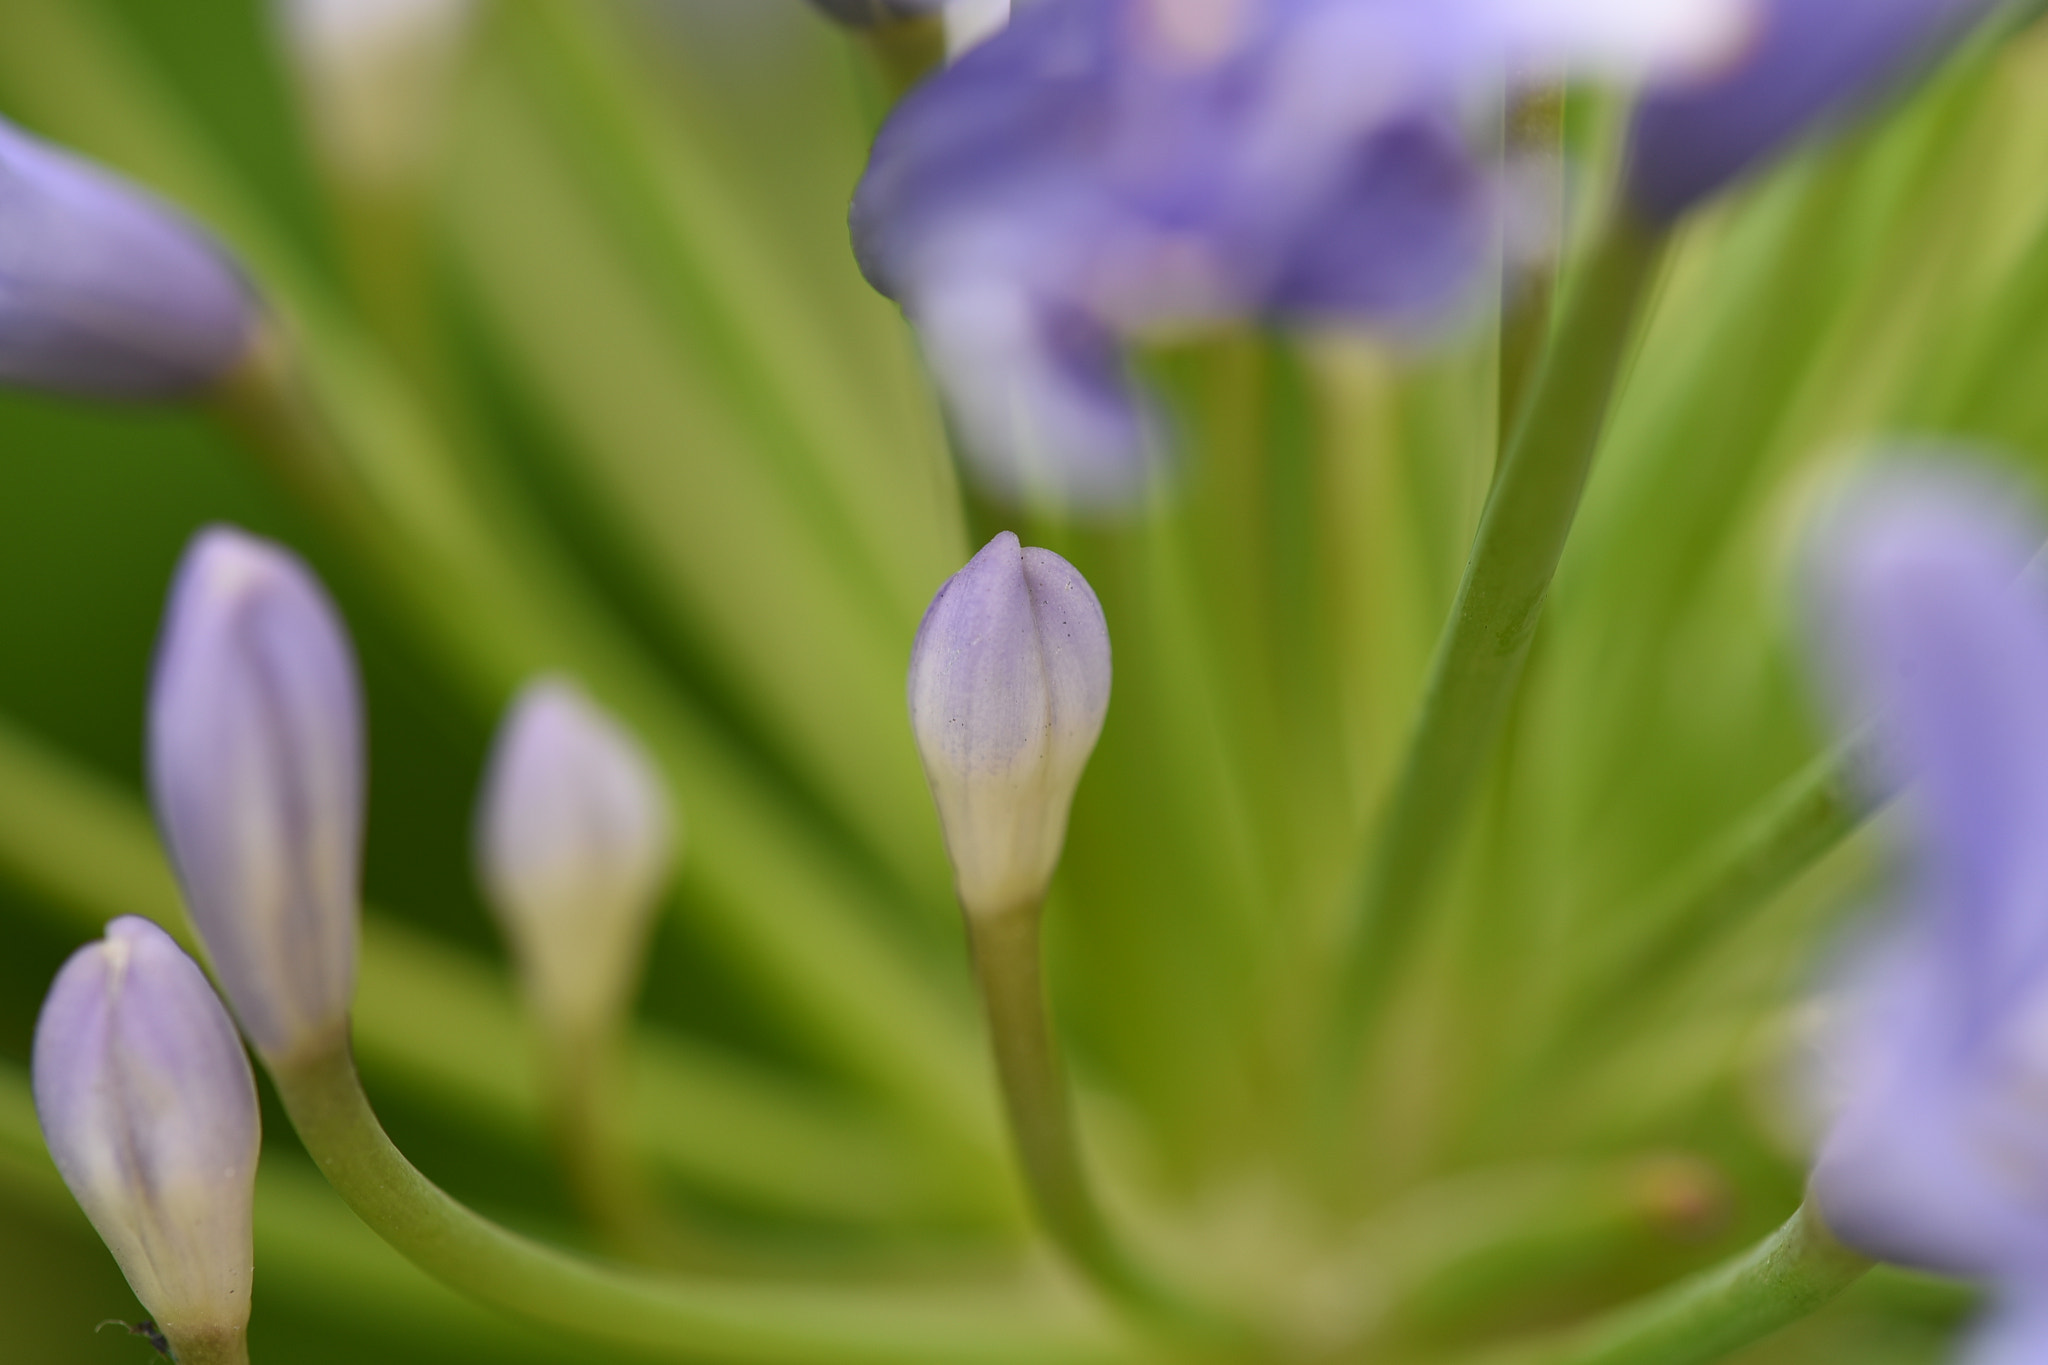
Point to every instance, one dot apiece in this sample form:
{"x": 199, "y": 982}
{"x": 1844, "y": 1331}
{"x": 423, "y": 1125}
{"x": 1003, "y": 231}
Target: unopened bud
{"x": 1009, "y": 683}
{"x": 256, "y": 767}
{"x": 375, "y": 77}
{"x": 149, "y": 1111}
{"x": 105, "y": 290}
{"x": 575, "y": 845}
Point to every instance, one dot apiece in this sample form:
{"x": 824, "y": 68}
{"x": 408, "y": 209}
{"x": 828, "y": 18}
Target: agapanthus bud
{"x": 574, "y": 845}
{"x": 149, "y": 1110}
{"x": 375, "y": 75}
{"x": 106, "y": 291}
{"x": 1009, "y": 683}
{"x": 256, "y": 767}
{"x": 1806, "y": 61}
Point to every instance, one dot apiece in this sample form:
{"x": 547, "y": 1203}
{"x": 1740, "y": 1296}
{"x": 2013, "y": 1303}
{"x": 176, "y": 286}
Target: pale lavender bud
{"x": 149, "y": 1110}
{"x": 1807, "y": 61}
{"x": 1009, "y": 684}
{"x": 575, "y": 844}
{"x": 106, "y": 291}
{"x": 256, "y": 767}
{"x": 375, "y": 76}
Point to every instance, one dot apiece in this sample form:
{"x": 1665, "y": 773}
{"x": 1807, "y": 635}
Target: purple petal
{"x": 106, "y": 291}
{"x": 1809, "y": 61}
{"x": 256, "y": 767}
{"x": 2016, "y": 1332}
{"x": 149, "y": 1109}
{"x": 1936, "y": 634}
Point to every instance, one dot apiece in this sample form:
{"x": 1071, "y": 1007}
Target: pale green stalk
{"x": 1535, "y": 139}
{"x": 681, "y": 1318}
{"x": 1479, "y": 658}
{"x": 1787, "y": 1276}
{"x": 1008, "y": 964}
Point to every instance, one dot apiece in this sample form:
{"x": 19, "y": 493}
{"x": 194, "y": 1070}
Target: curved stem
{"x": 1008, "y": 966}
{"x": 1783, "y": 1278}
{"x": 690, "y": 1319}
{"x": 1479, "y": 658}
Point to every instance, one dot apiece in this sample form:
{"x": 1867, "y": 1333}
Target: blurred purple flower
{"x": 1009, "y": 685}
{"x": 1806, "y": 62}
{"x": 256, "y": 767}
{"x": 105, "y": 291}
{"x": 1109, "y": 169}
{"x": 1938, "y": 1156}
{"x": 149, "y": 1110}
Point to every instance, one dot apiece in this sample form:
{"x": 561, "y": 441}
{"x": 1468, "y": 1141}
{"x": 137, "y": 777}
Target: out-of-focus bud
{"x": 105, "y": 290}
{"x": 873, "y": 13}
{"x": 1807, "y": 61}
{"x": 149, "y": 1110}
{"x": 574, "y": 846}
{"x": 256, "y": 767}
{"x": 375, "y": 75}
{"x": 1009, "y": 683}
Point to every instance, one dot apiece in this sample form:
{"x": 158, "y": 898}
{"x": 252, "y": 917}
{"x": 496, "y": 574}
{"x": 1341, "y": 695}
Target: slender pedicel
{"x": 149, "y": 1109}
{"x": 256, "y": 770}
{"x": 105, "y": 290}
{"x": 575, "y": 845}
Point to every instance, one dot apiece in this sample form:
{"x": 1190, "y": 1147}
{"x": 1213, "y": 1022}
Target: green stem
{"x": 1782, "y": 1279}
{"x": 1008, "y": 965}
{"x": 684, "y": 1318}
{"x": 581, "y": 1078}
{"x": 211, "y": 1348}
{"x": 1535, "y": 134}
{"x": 906, "y": 51}
{"x": 1479, "y": 658}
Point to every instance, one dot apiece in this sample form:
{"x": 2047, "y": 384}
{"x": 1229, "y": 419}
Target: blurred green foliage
{"x": 648, "y": 329}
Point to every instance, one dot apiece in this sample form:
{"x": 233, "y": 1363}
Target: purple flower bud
{"x": 575, "y": 843}
{"x": 149, "y": 1110}
{"x": 1937, "y": 1155}
{"x": 1806, "y": 62}
{"x": 105, "y": 291}
{"x": 1009, "y": 683}
{"x": 256, "y": 766}
{"x": 1105, "y": 171}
